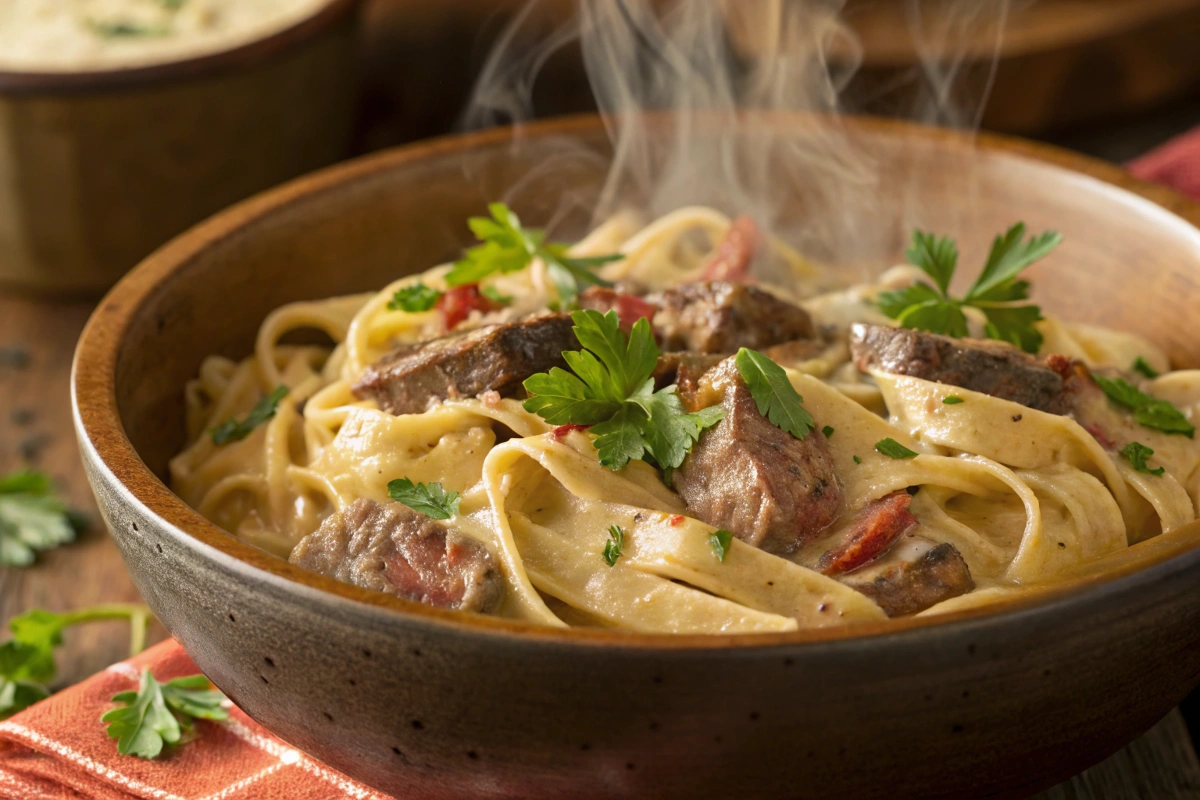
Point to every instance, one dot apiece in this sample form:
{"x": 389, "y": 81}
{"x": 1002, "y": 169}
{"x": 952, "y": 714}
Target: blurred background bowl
{"x": 99, "y": 168}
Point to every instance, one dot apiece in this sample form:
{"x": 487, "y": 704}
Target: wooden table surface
{"x": 36, "y": 430}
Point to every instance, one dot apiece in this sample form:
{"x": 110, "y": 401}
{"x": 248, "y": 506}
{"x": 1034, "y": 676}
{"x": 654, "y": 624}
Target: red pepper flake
{"x": 561, "y": 431}
{"x": 676, "y": 519}
{"x": 457, "y": 303}
{"x": 629, "y": 307}
{"x": 1100, "y": 436}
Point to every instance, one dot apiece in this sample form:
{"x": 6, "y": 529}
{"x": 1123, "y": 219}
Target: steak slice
{"x": 875, "y": 528}
{"x": 767, "y": 487}
{"x": 684, "y": 370}
{"x": 981, "y": 365}
{"x": 391, "y": 548}
{"x": 491, "y": 358}
{"x": 722, "y": 316}
{"x": 907, "y": 586}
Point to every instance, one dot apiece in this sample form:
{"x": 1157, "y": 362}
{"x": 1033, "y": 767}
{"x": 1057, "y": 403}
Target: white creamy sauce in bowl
{"x": 86, "y": 35}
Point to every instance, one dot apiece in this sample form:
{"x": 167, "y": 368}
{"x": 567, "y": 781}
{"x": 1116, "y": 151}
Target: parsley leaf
{"x": 774, "y": 394}
{"x": 937, "y": 256}
{"x": 233, "y": 431}
{"x": 32, "y": 518}
{"x": 27, "y": 659}
{"x": 827, "y": 430}
{"x": 493, "y": 294}
{"x": 857, "y": 460}
{"x": 1143, "y": 366}
{"x": 1136, "y": 454}
{"x": 612, "y": 391}
{"x": 429, "y": 499}
{"x": 508, "y": 247}
{"x": 931, "y": 308}
{"x": 612, "y": 548}
{"x": 157, "y": 713}
{"x": 1151, "y": 412}
{"x": 414, "y": 298}
{"x": 952, "y": 400}
{"x": 893, "y": 449}
{"x": 719, "y": 541}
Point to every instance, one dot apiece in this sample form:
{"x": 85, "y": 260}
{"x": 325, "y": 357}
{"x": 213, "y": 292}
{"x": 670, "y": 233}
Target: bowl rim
{"x": 18, "y": 82}
{"x": 116, "y": 464}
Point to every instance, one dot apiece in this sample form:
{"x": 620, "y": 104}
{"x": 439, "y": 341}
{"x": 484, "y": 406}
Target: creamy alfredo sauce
{"x": 82, "y": 35}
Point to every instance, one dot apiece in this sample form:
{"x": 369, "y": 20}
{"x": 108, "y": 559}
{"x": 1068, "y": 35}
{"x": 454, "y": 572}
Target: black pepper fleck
{"x": 1016, "y": 417}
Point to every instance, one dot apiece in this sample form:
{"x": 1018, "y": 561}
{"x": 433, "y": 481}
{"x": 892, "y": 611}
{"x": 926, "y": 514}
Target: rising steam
{"x": 689, "y": 88}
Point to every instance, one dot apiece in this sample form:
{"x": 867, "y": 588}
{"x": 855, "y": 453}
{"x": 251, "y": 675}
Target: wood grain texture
{"x": 35, "y": 430}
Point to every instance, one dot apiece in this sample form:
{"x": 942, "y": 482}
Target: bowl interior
{"x": 1126, "y": 262}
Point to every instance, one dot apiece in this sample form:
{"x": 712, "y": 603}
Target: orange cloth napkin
{"x": 59, "y": 749}
{"x": 1175, "y": 164}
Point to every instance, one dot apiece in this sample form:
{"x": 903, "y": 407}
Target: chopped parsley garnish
{"x": 952, "y": 399}
{"x": 1141, "y": 365}
{"x": 414, "y": 298}
{"x": 32, "y": 518}
{"x": 1149, "y": 411}
{"x": 893, "y": 449}
{"x": 233, "y": 431}
{"x": 493, "y": 294}
{"x": 612, "y": 391}
{"x": 508, "y": 247}
{"x": 27, "y": 660}
{"x": 719, "y": 541}
{"x": 124, "y": 29}
{"x": 612, "y": 548}
{"x": 931, "y": 308}
{"x": 1136, "y": 454}
{"x": 857, "y": 460}
{"x": 774, "y": 394}
{"x": 157, "y": 714}
{"x": 430, "y": 499}
{"x": 827, "y": 430}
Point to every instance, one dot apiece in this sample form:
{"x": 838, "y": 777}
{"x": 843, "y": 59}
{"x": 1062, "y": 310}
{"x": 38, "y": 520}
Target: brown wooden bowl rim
{"x": 98, "y": 423}
{"x": 247, "y": 53}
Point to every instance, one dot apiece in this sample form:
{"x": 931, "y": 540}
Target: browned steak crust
{"x": 909, "y": 587}
{"x": 981, "y": 365}
{"x": 764, "y": 485}
{"x": 391, "y": 548}
{"x": 494, "y": 357}
{"x": 722, "y": 316}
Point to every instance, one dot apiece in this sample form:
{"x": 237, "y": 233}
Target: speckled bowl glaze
{"x": 426, "y": 703}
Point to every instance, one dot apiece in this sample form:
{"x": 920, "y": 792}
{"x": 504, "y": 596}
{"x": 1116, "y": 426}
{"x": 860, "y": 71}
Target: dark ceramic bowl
{"x": 427, "y": 703}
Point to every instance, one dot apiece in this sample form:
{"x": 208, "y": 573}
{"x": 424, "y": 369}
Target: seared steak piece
{"x": 720, "y": 317}
{"x": 981, "y": 365}
{"x": 909, "y": 586}
{"x": 875, "y": 528}
{"x": 391, "y": 548}
{"x": 764, "y": 485}
{"x": 491, "y": 358}
{"x": 732, "y": 258}
{"x": 684, "y": 370}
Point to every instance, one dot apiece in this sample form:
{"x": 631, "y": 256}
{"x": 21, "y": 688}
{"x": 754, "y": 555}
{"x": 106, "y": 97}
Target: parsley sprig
{"x": 233, "y": 431}
{"x": 1151, "y": 412}
{"x": 414, "y": 298}
{"x": 614, "y": 545}
{"x": 931, "y": 308}
{"x": 158, "y": 714}
{"x": 508, "y": 247}
{"x": 27, "y": 663}
{"x": 1136, "y": 454}
{"x": 773, "y": 393}
{"x": 430, "y": 499}
{"x": 32, "y": 518}
{"x": 612, "y": 391}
